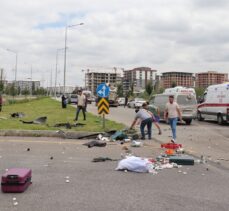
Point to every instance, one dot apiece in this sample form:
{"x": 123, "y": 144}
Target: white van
{"x": 216, "y": 104}
{"x": 186, "y": 99}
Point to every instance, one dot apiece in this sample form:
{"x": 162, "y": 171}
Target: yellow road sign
{"x": 103, "y": 106}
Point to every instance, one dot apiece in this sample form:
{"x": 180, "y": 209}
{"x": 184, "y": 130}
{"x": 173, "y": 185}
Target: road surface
{"x": 200, "y": 138}
{"x": 98, "y": 187}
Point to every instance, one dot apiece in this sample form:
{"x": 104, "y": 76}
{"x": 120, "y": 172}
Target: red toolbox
{"x": 16, "y": 180}
{"x": 171, "y": 146}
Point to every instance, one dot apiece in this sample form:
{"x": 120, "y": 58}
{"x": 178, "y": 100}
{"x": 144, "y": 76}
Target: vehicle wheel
{"x": 199, "y": 117}
{"x": 220, "y": 119}
{"x": 188, "y": 121}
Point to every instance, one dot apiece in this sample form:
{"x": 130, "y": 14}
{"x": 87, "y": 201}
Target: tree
{"x": 25, "y": 92}
{"x": 1, "y": 86}
{"x": 120, "y": 90}
{"x": 149, "y": 88}
{"x": 33, "y": 88}
{"x": 12, "y": 90}
{"x": 199, "y": 91}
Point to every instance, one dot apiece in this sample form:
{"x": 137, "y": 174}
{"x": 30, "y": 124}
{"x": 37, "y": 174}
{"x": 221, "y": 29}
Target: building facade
{"x": 93, "y": 79}
{"x": 27, "y": 85}
{"x": 169, "y": 79}
{"x": 205, "y": 79}
{"x": 138, "y": 78}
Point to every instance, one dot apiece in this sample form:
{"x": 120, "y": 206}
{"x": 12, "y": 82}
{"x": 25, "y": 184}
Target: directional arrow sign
{"x": 103, "y": 106}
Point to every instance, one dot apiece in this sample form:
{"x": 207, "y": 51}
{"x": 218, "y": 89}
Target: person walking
{"x": 146, "y": 120}
{"x": 81, "y": 100}
{"x": 155, "y": 111}
{"x": 171, "y": 114}
{"x": 64, "y": 101}
{"x": 1, "y": 103}
{"x": 126, "y": 101}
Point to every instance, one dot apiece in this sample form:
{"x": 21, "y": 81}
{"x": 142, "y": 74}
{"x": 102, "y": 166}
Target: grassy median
{"x": 55, "y": 114}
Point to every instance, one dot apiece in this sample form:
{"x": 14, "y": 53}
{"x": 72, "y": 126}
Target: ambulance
{"x": 215, "y": 105}
{"x": 185, "y": 97}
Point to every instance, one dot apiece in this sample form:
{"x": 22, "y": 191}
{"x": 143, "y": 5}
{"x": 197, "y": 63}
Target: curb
{"x": 44, "y": 133}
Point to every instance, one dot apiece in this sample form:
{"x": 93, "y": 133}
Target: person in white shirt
{"x": 146, "y": 120}
{"x": 81, "y": 102}
{"x": 171, "y": 114}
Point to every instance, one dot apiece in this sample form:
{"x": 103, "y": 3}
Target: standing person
{"x": 172, "y": 112}
{"x": 1, "y": 102}
{"x": 80, "y": 105}
{"x": 155, "y": 111}
{"x": 126, "y": 101}
{"x": 146, "y": 120}
{"x": 64, "y": 101}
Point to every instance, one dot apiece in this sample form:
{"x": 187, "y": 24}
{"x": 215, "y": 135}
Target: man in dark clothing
{"x": 64, "y": 101}
{"x": 126, "y": 101}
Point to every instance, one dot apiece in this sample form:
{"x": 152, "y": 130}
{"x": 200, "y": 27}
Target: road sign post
{"x": 103, "y": 92}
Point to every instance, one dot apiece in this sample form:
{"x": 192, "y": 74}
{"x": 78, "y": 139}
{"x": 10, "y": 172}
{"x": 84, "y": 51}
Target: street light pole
{"x": 65, "y": 50}
{"x": 57, "y": 50}
{"x": 16, "y": 54}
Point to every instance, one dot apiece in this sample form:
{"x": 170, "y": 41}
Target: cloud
{"x": 189, "y": 35}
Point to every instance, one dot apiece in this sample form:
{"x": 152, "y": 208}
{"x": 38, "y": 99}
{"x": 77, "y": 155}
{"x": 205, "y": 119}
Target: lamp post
{"x": 57, "y": 51}
{"x": 16, "y": 54}
{"x": 65, "y": 49}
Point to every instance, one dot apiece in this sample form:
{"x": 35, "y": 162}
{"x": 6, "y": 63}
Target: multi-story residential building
{"x": 93, "y": 79}
{"x": 27, "y": 85}
{"x": 138, "y": 78}
{"x": 206, "y": 79}
{"x": 170, "y": 79}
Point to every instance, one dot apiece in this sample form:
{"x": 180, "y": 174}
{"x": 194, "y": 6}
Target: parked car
{"x": 215, "y": 105}
{"x": 121, "y": 101}
{"x": 185, "y": 97}
{"x": 72, "y": 98}
{"x": 137, "y": 102}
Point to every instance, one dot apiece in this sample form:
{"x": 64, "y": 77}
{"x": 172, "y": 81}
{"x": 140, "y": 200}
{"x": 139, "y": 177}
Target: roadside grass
{"x": 55, "y": 114}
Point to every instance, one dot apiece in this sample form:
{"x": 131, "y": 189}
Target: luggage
{"x": 171, "y": 146}
{"x": 16, "y": 180}
{"x": 119, "y": 135}
{"x": 181, "y": 159}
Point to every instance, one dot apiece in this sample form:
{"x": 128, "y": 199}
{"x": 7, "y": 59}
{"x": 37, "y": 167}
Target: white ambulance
{"x": 216, "y": 104}
{"x": 185, "y": 97}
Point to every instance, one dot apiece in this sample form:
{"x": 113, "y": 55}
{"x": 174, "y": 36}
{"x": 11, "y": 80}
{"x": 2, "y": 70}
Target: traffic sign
{"x": 103, "y": 90}
{"x": 103, "y": 106}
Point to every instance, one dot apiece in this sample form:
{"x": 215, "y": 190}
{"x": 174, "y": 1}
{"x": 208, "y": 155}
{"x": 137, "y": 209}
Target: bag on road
{"x": 16, "y": 180}
{"x": 135, "y": 164}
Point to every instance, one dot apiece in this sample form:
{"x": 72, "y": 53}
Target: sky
{"x": 166, "y": 35}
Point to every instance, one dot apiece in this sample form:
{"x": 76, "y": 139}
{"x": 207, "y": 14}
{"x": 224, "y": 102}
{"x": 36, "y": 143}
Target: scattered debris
{"x": 28, "y": 149}
{"x": 17, "y": 115}
{"x": 67, "y": 125}
{"x": 95, "y": 144}
{"x": 40, "y": 120}
{"x": 51, "y": 158}
{"x": 103, "y": 159}
{"x": 136, "y": 144}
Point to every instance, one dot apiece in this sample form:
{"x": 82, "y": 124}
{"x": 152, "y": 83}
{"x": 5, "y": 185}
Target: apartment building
{"x": 138, "y": 78}
{"x": 27, "y": 85}
{"x": 178, "y": 78}
{"x": 93, "y": 79}
{"x": 206, "y": 79}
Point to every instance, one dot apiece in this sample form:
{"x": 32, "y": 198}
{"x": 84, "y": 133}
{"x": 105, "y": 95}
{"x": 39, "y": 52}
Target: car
{"x": 137, "y": 102}
{"x": 121, "y": 101}
{"x": 72, "y": 98}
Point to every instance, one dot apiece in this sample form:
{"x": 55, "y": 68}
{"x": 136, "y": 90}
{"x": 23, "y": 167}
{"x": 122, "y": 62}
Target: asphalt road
{"x": 98, "y": 187}
{"x": 200, "y": 138}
